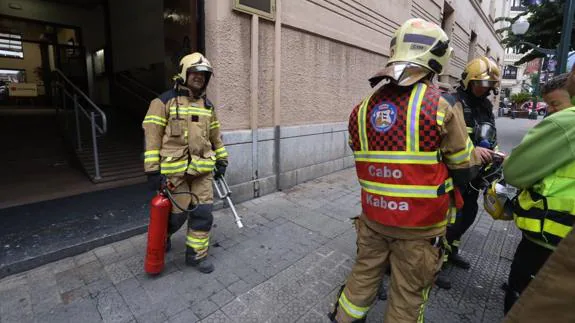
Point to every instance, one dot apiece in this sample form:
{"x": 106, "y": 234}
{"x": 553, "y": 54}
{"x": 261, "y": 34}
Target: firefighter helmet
{"x": 494, "y": 200}
{"x": 195, "y": 62}
{"x": 417, "y": 49}
{"x": 482, "y": 71}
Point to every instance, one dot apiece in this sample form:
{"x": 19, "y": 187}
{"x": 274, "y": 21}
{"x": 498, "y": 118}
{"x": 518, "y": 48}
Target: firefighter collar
{"x": 383, "y": 117}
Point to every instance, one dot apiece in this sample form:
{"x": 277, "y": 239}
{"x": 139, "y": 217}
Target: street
{"x": 286, "y": 265}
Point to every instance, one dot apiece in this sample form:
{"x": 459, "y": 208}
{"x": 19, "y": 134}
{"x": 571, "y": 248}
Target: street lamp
{"x": 520, "y": 27}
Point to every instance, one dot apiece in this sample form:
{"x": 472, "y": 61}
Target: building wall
{"x": 329, "y": 49}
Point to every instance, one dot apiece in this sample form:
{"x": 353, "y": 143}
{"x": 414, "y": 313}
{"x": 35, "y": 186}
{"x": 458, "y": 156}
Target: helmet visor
{"x": 486, "y": 83}
{"x": 403, "y": 73}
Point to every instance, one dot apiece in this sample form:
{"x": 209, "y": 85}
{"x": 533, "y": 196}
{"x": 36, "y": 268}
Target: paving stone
{"x": 91, "y": 272}
{"x": 137, "y": 300}
{"x": 74, "y": 295}
{"x": 217, "y": 317}
{"x": 112, "y": 306}
{"x": 204, "y": 308}
{"x": 69, "y": 280}
{"x": 85, "y": 311}
{"x": 85, "y": 258}
{"x": 226, "y": 278}
{"x": 314, "y": 317}
{"x": 118, "y": 272}
{"x": 185, "y": 316}
{"x": 239, "y": 287}
{"x": 235, "y": 308}
{"x": 153, "y": 316}
{"x": 222, "y": 297}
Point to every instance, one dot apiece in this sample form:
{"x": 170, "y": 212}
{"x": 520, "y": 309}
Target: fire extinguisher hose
{"x": 194, "y": 202}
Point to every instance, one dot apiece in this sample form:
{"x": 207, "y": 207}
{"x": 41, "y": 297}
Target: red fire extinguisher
{"x": 160, "y": 208}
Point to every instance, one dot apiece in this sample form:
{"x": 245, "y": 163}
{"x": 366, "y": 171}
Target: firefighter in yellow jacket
{"x": 184, "y": 148}
{"x": 411, "y": 151}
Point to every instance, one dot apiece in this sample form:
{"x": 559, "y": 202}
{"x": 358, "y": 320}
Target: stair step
{"x": 120, "y": 178}
{"x": 139, "y": 168}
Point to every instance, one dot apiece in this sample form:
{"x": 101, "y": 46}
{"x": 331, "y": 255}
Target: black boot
{"x": 203, "y": 265}
{"x": 459, "y": 261}
{"x": 443, "y": 282}
{"x": 455, "y": 259}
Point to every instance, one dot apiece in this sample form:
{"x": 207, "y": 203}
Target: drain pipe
{"x": 254, "y": 102}
{"x": 277, "y": 96}
{"x": 201, "y": 23}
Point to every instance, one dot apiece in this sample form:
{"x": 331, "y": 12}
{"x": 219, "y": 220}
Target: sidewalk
{"x": 285, "y": 265}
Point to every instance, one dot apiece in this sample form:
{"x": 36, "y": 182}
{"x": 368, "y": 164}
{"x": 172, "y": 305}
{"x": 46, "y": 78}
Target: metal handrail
{"x": 104, "y": 128}
{"x": 139, "y": 84}
{"x": 90, "y": 115}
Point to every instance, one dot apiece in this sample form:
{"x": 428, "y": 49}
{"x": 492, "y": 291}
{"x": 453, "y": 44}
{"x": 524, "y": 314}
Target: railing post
{"x": 95, "y": 145}
{"x": 76, "y": 112}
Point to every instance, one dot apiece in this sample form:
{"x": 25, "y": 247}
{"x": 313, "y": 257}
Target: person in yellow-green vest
{"x": 543, "y": 168}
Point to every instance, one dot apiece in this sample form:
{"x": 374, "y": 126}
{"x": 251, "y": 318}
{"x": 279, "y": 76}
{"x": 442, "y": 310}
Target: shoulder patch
{"x": 449, "y": 98}
{"x": 167, "y": 96}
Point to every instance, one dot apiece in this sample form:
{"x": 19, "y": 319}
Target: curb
{"x": 33, "y": 262}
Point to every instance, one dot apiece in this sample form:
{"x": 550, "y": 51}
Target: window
{"x": 262, "y": 8}
{"x": 11, "y": 45}
{"x": 510, "y": 72}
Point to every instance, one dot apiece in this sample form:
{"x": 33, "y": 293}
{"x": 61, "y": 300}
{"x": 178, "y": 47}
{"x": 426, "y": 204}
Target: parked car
{"x": 541, "y": 108}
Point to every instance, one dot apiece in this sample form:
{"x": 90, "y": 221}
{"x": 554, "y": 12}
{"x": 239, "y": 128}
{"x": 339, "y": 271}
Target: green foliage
{"x": 520, "y": 98}
{"x": 545, "y": 24}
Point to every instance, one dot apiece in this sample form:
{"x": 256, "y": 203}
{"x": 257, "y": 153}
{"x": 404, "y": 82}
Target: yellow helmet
{"x": 494, "y": 200}
{"x": 195, "y": 62}
{"x": 482, "y": 71}
{"x": 417, "y": 49}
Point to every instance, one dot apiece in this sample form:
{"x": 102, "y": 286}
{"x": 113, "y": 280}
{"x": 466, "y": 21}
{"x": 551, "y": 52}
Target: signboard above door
{"x": 263, "y": 8}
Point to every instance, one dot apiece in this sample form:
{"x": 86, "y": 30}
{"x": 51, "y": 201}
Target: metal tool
{"x": 224, "y": 193}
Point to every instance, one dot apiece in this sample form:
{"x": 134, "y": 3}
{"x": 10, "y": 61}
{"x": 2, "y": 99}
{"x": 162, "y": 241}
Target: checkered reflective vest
{"x": 395, "y": 138}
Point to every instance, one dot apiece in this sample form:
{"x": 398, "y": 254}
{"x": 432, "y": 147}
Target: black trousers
{"x": 529, "y": 258}
{"x": 465, "y": 218}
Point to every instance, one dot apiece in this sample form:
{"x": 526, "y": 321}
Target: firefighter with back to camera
{"x": 411, "y": 152}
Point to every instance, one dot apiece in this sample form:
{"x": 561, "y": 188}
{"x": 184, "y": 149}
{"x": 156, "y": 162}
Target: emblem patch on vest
{"x": 383, "y": 117}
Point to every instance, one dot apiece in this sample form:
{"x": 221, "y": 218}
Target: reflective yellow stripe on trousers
{"x": 357, "y": 312}
{"x": 151, "y": 156}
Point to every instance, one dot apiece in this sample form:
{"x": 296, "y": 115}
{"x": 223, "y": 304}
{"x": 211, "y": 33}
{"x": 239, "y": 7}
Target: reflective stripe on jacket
{"x": 404, "y": 179}
{"x": 546, "y": 212}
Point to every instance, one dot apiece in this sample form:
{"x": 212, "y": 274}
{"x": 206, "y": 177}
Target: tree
{"x": 545, "y": 24}
{"x": 519, "y": 98}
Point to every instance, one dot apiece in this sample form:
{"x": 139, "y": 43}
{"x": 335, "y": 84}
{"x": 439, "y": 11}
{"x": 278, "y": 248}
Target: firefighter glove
{"x": 220, "y": 169}
{"x": 155, "y": 180}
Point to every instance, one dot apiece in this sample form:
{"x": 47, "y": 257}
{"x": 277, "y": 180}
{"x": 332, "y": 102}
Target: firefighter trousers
{"x": 464, "y": 219}
{"x": 200, "y": 220}
{"x": 414, "y": 266}
{"x": 529, "y": 258}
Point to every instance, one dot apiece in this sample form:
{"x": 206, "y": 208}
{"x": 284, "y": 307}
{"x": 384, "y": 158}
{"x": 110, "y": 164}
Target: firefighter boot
{"x": 203, "y": 265}
{"x": 457, "y": 260}
{"x": 443, "y": 282}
